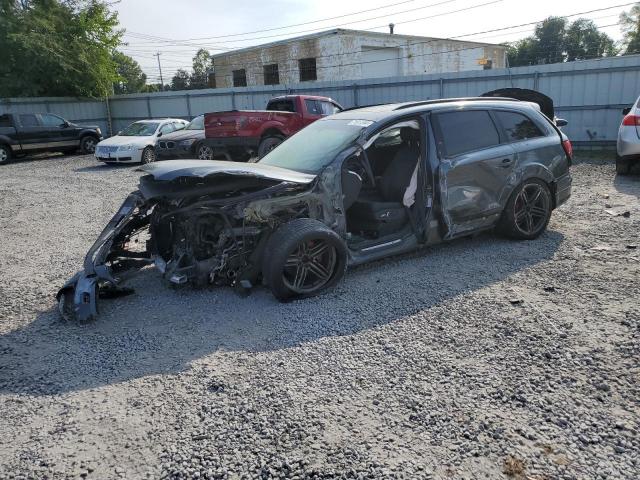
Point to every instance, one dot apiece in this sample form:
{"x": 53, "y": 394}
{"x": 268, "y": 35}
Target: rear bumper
{"x": 628, "y": 144}
{"x": 563, "y": 189}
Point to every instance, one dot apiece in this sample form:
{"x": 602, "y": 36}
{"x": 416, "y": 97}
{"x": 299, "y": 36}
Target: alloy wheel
{"x": 310, "y": 266}
{"x": 4, "y": 156}
{"x": 205, "y": 153}
{"x": 148, "y": 156}
{"x": 531, "y": 208}
{"x": 90, "y": 145}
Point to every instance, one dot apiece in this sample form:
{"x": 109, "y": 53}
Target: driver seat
{"x": 383, "y": 213}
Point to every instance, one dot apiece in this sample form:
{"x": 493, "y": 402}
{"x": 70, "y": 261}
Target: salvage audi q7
{"x": 350, "y": 188}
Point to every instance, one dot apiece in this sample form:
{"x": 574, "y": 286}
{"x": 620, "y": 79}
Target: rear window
{"x": 518, "y": 126}
{"x": 6, "y": 121}
{"x": 281, "y": 106}
{"x": 466, "y": 131}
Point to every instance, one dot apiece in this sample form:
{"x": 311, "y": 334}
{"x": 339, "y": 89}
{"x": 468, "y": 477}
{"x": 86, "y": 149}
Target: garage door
{"x": 380, "y": 62}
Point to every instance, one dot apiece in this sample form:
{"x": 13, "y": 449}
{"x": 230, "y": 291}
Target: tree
{"x": 583, "y": 41}
{"x": 181, "y": 80}
{"x": 630, "y": 22}
{"x": 554, "y": 40}
{"x": 131, "y": 78}
{"x": 57, "y": 47}
{"x": 202, "y": 65}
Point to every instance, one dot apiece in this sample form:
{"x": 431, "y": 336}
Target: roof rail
{"x": 451, "y": 100}
{"x": 362, "y": 106}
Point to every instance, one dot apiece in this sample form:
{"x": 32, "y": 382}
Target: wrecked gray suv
{"x": 350, "y": 188}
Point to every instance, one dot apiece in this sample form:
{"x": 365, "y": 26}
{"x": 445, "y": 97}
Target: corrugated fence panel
{"x": 589, "y": 94}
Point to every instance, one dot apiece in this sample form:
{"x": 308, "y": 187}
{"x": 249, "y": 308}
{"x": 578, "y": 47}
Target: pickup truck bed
{"x": 240, "y": 133}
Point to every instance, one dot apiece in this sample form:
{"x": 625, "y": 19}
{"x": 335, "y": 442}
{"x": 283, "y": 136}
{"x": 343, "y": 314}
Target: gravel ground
{"x": 480, "y": 358}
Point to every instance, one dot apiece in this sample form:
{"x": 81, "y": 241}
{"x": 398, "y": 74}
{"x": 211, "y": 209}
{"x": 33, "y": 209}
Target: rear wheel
{"x": 205, "y": 152}
{"x": 303, "y": 258}
{"x": 88, "y": 144}
{"x": 5, "y": 154}
{"x": 267, "y": 144}
{"x": 148, "y": 155}
{"x": 623, "y": 165}
{"x": 527, "y": 212}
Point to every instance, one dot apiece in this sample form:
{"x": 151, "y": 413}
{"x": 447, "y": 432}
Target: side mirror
{"x": 159, "y": 134}
{"x": 119, "y": 132}
{"x": 65, "y": 124}
{"x": 626, "y": 111}
{"x": 561, "y": 122}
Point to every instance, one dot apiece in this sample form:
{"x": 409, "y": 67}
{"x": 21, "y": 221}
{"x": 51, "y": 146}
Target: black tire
{"x": 528, "y": 211}
{"x": 148, "y": 155}
{"x": 623, "y": 165}
{"x": 268, "y": 143}
{"x": 204, "y": 152}
{"x": 5, "y": 154}
{"x": 289, "y": 257}
{"x": 88, "y": 144}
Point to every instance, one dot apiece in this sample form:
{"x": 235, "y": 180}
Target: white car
{"x": 136, "y": 143}
{"x": 628, "y": 145}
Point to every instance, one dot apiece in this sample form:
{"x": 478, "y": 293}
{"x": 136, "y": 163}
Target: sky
{"x": 177, "y": 29}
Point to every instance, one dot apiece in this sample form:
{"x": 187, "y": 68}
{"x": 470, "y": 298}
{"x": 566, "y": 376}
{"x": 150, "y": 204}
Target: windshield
{"x": 314, "y": 147}
{"x": 196, "y": 124}
{"x": 140, "y": 129}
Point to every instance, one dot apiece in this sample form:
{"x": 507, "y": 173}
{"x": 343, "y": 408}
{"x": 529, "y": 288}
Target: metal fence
{"x": 590, "y": 94}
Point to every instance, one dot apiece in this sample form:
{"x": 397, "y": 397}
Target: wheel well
{"x": 88, "y": 134}
{"x": 271, "y": 132}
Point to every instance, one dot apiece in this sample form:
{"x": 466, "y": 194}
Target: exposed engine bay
{"x": 197, "y": 230}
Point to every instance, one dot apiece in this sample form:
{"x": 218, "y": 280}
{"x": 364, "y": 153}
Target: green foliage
{"x": 555, "y": 40}
{"x": 181, "y": 80}
{"x": 630, "y": 22}
{"x": 202, "y": 64}
{"x": 131, "y": 78}
{"x": 57, "y": 48}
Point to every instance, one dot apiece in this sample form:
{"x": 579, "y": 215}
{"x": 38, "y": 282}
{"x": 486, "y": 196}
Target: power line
{"x": 283, "y": 27}
{"x": 316, "y": 30}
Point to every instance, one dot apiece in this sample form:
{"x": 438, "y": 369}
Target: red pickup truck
{"x": 240, "y": 133}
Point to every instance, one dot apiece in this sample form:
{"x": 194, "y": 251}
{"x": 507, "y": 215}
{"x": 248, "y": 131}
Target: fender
{"x": 275, "y": 125}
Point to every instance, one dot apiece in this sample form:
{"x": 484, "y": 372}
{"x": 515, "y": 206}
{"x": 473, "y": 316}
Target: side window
{"x": 517, "y": 126}
{"x": 29, "y": 120}
{"x": 49, "y": 120}
{"x": 284, "y": 105}
{"x": 6, "y": 121}
{"x": 466, "y": 131}
{"x": 313, "y": 107}
{"x": 329, "y": 108}
{"x": 167, "y": 128}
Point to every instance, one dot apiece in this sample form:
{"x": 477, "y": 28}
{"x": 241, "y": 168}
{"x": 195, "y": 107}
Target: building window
{"x": 240, "y": 78}
{"x": 271, "y": 76}
{"x": 307, "y": 69}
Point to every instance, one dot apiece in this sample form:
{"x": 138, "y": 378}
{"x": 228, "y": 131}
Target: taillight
{"x": 631, "y": 120}
{"x": 568, "y": 148}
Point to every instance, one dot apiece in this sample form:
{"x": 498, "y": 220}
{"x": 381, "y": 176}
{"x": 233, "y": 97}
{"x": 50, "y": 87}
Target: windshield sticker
{"x": 360, "y": 123}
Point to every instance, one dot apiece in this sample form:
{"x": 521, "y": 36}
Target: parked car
{"x": 136, "y": 143}
{"x": 239, "y": 134}
{"x": 185, "y": 143}
{"x": 628, "y": 144}
{"x": 23, "y": 133}
{"x": 350, "y": 188}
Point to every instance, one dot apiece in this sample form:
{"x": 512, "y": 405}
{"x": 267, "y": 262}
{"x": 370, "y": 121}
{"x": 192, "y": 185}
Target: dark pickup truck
{"x": 240, "y": 133}
{"x": 22, "y": 133}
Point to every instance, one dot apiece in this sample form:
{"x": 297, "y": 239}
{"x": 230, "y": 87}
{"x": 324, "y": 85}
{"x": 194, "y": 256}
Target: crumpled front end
{"x": 120, "y": 249}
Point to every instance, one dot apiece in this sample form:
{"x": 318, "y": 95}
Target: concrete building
{"x": 351, "y": 55}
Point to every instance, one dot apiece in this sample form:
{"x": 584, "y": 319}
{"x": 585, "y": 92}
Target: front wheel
{"x": 148, "y": 155}
{"x": 5, "y": 154}
{"x": 88, "y": 144}
{"x": 205, "y": 152}
{"x": 267, "y": 144}
{"x": 527, "y": 212}
{"x": 303, "y": 258}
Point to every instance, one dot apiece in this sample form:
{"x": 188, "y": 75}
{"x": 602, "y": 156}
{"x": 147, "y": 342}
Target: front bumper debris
{"x": 78, "y": 298}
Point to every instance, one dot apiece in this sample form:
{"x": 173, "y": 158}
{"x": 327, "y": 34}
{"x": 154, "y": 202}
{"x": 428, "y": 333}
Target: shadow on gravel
{"x": 160, "y": 330}
{"x": 104, "y": 167}
{"x": 629, "y": 184}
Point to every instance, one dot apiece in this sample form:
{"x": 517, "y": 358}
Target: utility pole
{"x": 160, "y": 68}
